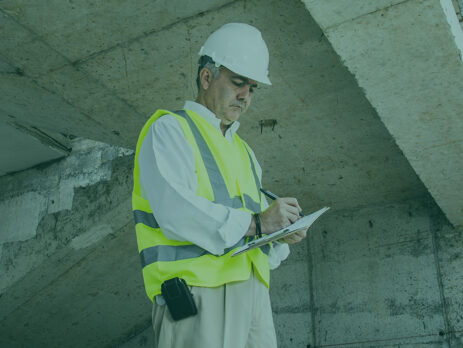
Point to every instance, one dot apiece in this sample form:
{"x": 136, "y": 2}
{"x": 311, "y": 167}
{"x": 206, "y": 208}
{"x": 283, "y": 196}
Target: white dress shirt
{"x": 169, "y": 182}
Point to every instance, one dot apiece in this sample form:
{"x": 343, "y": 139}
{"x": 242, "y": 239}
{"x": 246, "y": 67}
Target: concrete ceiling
{"x": 407, "y": 57}
{"x": 91, "y": 70}
{"x": 98, "y": 70}
{"x": 22, "y": 147}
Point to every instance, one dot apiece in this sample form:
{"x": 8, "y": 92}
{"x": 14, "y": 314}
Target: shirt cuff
{"x": 279, "y": 252}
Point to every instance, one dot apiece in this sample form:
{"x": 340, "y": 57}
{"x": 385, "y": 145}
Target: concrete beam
{"x": 41, "y": 58}
{"x": 41, "y": 88}
{"x": 23, "y": 147}
{"x": 78, "y": 31}
{"x": 406, "y": 55}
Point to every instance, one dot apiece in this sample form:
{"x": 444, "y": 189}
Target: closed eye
{"x": 238, "y": 83}
{"x": 241, "y": 83}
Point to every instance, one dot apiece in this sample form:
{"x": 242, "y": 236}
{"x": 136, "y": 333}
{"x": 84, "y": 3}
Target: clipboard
{"x": 302, "y": 223}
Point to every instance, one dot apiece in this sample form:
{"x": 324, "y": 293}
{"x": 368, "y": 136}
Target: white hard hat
{"x": 240, "y": 48}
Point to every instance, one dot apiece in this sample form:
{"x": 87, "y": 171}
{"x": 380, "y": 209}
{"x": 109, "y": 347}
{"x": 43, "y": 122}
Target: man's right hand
{"x": 280, "y": 214}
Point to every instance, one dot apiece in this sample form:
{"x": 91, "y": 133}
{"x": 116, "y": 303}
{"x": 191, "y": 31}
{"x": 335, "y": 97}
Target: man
{"x": 197, "y": 198}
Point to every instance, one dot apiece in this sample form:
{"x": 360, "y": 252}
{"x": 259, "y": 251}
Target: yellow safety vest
{"x": 226, "y": 175}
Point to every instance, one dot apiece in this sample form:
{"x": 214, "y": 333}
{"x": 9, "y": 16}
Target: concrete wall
{"x": 378, "y": 276}
{"x": 384, "y": 275}
{"x": 68, "y": 264}
{"x": 40, "y": 205}
{"x": 382, "y": 268}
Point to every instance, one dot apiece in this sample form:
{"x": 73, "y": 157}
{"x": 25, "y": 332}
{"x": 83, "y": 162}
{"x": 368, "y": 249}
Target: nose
{"x": 244, "y": 93}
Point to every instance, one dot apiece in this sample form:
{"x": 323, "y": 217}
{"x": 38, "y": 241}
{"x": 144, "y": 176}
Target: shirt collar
{"x": 211, "y": 118}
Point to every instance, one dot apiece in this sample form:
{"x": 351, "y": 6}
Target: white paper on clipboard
{"x": 300, "y": 224}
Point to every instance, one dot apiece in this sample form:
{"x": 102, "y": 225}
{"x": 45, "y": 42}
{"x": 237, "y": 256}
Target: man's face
{"x": 229, "y": 95}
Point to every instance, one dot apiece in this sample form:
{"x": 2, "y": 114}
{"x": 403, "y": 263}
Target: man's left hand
{"x": 296, "y": 237}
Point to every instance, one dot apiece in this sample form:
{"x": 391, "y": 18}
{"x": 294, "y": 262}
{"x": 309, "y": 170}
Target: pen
{"x": 274, "y": 196}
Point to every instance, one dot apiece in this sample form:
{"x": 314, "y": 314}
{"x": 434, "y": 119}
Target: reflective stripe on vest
{"x": 183, "y": 252}
{"x": 145, "y": 218}
{"x": 177, "y": 252}
{"x": 217, "y": 182}
{"x": 221, "y": 195}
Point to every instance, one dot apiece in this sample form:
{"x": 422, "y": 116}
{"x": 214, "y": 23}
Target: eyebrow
{"x": 244, "y": 79}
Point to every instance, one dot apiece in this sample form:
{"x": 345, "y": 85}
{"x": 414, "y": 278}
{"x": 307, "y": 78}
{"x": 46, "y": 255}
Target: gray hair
{"x": 208, "y": 63}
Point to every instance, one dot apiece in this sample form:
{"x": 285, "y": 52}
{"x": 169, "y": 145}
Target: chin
{"x": 235, "y": 114}
{"x": 234, "y": 118}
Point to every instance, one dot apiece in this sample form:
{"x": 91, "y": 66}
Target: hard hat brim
{"x": 265, "y": 81}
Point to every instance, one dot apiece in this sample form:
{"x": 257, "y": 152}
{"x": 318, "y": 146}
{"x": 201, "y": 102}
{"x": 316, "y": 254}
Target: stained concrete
{"x": 381, "y": 269}
{"x": 291, "y": 302}
{"x": 39, "y": 207}
{"x": 407, "y": 56}
{"x": 379, "y": 276}
{"x": 374, "y": 279}
{"x": 338, "y": 147}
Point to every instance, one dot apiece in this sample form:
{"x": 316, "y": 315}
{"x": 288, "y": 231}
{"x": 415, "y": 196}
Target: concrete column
{"x": 406, "y": 55}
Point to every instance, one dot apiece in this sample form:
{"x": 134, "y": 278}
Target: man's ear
{"x": 205, "y": 76}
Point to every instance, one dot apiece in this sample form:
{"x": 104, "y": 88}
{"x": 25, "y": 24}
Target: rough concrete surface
{"x": 338, "y": 146}
{"x": 334, "y": 12}
{"x": 363, "y": 116}
{"x": 450, "y": 258}
{"x": 407, "y": 56}
{"x": 377, "y": 280}
{"x": 291, "y": 300}
{"x": 71, "y": 206}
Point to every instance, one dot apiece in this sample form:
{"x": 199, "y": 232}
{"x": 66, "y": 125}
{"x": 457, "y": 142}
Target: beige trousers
{"x": 235, "y": 315}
